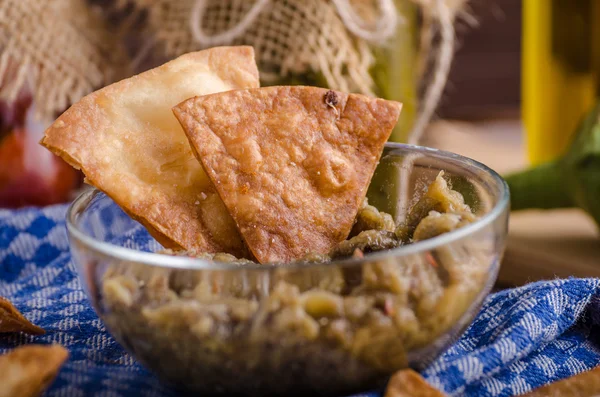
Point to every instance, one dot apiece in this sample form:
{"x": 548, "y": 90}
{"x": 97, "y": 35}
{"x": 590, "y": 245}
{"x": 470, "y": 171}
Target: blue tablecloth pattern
{"x": 522, "y": 338}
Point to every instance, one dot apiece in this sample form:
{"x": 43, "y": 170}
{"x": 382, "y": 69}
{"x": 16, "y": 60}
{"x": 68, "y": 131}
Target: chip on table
{"x": 28, "y": 370}
{"x": 11, "y": 320}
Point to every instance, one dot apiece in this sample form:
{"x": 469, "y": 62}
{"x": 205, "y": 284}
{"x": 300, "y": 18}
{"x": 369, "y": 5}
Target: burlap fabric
{"x": 334, "y": 38}
{"x": 289, "y": 37}
{"x": 58, "y": 50}
{"x": 65, "y": 51}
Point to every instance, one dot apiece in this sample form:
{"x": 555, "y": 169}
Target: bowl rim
{"x": 191, "y": 263}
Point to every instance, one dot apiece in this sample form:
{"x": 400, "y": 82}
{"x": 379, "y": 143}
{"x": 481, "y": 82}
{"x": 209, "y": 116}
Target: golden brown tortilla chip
{"x": 127, "y": 142}
{"x": 11, "y": 320}
{"x": 408, "y": 383}
{"x": 292, "y": 164}
{"x": 586, "y": 384}
{"x": 28, "y": 370}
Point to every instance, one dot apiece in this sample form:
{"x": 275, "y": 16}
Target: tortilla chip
{"x": 127, "y": 142}
{"x": 408, "y": 383}
{"x": 292, "y": 164}
{"x": 586, "y": 384}
{"x": 11, "y": 320}
{"x": 28, "y": 370}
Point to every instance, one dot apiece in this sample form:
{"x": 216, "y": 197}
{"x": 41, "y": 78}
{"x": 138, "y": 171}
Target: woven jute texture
{"x": 58, "y": 50}
{"x": 61, "y": 50}
{"x": 333, "y": 40}
{"x": 288, "y": 37}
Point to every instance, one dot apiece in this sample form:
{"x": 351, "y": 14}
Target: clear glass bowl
{"x": 311, "y": 329}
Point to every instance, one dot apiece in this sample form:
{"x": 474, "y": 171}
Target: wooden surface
{"x": 484, "y": 80}
{"x": 541, "y": 244}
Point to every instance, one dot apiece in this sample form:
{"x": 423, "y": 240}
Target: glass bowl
{"x": 297, "y": 329}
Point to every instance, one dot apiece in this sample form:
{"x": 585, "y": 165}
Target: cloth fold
{"x": 522, "y": 338}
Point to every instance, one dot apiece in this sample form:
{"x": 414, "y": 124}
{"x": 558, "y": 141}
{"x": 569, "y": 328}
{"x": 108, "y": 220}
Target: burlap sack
{"x": 289, "y": 37}
{"x": 62, "y": 50}
{"x": 58, "y": 50}
{"x": 333, "y": 39}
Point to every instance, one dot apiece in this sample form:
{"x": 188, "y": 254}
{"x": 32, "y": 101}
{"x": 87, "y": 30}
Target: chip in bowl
{"x": 292, "y": 164}
{"x": 128, "y": 144}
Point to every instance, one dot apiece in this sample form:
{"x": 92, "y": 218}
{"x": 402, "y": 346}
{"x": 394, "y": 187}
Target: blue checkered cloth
{"x": 523, "y": 338}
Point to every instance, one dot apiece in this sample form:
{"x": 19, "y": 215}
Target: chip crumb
{"x": 203, "y": 196}
{"x": 331, "y": 100}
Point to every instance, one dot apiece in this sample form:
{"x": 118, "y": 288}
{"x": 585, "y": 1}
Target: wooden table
{"x": 541, "y": 244}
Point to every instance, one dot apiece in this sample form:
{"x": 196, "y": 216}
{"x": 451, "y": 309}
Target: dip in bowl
{"x": 209, "y": 324}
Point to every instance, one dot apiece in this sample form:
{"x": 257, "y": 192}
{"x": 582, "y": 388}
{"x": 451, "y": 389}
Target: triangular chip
{"x": 127, "y": 142}
{"x": 408, "y": 383}
{"x": 292, "y": 164}
{"x": 28, "y": 370}
{"x": 11, "y": 320}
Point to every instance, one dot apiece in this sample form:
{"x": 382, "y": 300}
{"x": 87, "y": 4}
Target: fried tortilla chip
{"x": 128, "y": 144}
{"x": 292, "y": 164}
{"x": 28, "y": 370}
{"x": 585, "y": 384}
{"x": 408, "y": 383}
{"x": 11, "y": 320}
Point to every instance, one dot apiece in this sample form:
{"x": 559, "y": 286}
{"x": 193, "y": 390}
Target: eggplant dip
{"x": 327, "y": 324}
